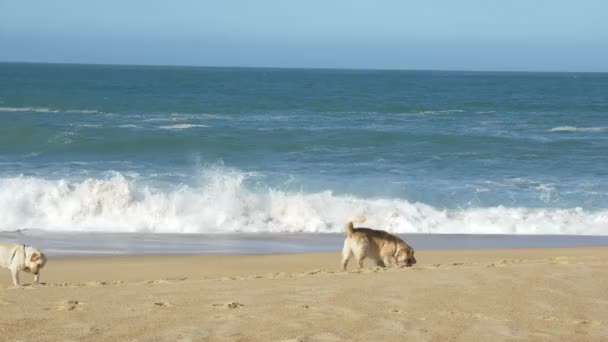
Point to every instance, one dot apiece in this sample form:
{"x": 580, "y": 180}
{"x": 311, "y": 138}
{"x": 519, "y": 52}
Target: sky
{"x": 502, "y": 35}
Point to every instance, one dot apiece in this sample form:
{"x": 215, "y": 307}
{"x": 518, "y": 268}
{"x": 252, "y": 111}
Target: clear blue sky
{"x": 563, "y": 35}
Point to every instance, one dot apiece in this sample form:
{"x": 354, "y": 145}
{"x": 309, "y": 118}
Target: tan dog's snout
{"x": 410, "y": 262}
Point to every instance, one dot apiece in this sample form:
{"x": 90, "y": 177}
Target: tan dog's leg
{"x": 360, "y": 259}
{"x": 381, "y": 263}
{"x": 360, "y": 252}
{"x": 345, "y": 255}
{"x": 388, "y": 261}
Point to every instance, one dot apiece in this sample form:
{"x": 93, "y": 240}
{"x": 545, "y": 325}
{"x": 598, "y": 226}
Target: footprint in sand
{"x": 4, "y": 302}
{"x": 104, "y": 283}
{"x": 68, "y": 305}
{"x": 503, "y": 263}
{"x": 585, "y": 322}
{"x": 231, "y": 305}
{"x": 63, "y": 284}
{"x": 162, "y": 304}
{"x": 319, "y": 271}
{"x": 581, "y": 322}
{"x": 561, "y": 260}
{"x": 468, "y": 315}
{"x": 165, "y": 280}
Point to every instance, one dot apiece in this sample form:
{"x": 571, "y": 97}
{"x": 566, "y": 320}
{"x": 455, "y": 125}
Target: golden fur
{"x": 385, "y": 249}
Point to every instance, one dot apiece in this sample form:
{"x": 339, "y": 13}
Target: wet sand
{"x": 98, "y": 243}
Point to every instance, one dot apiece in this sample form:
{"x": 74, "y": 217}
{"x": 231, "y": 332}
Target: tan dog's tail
{"x": 350, "y": 228}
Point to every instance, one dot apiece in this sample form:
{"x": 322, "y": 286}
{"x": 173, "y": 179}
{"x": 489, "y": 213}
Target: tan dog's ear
{"x": 35, "y": 257}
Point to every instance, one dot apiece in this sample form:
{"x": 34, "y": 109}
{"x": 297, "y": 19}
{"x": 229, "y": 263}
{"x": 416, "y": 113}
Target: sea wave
{"x": 579, "y": 129}
{"x": 183, "y": 126}
{"x": 447, "y": 111}
{"x": 28, "y": 109}
{"x": 47, "y": 110}
{"x": 224, "y": 201}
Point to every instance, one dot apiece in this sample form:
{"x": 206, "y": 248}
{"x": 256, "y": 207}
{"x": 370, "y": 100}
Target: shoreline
{"x": 95, "y": 243}
{"x": 504, "y": 294}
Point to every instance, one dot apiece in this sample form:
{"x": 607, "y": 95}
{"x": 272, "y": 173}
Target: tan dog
{"x": 385, "y": 249}
{"x": 17, "y": 257}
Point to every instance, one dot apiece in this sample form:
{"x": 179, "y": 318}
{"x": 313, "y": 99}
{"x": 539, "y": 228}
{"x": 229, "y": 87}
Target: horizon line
{"x": 299, "y": 68}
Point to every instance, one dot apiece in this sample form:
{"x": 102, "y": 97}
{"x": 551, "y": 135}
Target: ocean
{"x": 196, "y": 150}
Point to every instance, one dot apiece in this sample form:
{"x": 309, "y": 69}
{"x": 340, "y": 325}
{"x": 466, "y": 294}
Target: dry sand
{"x": 491, "y": 295}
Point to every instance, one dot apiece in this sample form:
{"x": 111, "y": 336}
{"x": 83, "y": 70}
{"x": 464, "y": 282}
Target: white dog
{"x": 17, "y": 257}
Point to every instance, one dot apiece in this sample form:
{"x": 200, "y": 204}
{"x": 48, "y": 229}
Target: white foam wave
{"x": 435, "y": 112}
{"x": 578, "y": 129}
{"x": 200, "y": 116}
{"x": 83, "y": 111}
{"x": 222, "y": 203}
{"x": 170, "y": 119}
{"x": 28, "y": 109}
{"x": 183, "y": 126}
{"x": 47, "y": 110}
{"x": 176, "y": 117}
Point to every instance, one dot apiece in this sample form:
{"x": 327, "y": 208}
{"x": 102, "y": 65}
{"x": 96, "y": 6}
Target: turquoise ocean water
{"x": 223, "y": 150}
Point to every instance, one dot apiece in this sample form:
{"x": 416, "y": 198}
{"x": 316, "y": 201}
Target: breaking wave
{"x": 47, "y": 110}
{"x": 578, "y": 129}
{"x": 223, "y": 202}
{"x": 28, "y": 109}
{"x": 183, "y": 126}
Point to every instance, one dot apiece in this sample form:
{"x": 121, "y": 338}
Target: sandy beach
{"x": 463, "y": 295}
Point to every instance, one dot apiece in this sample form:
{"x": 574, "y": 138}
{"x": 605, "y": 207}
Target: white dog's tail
{"x": 350, "y": 228}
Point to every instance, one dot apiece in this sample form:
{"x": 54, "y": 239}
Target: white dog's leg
{"x": 36, "y": 277}
{"x": 345, "y": 255}
{"x": 15, "y": 275}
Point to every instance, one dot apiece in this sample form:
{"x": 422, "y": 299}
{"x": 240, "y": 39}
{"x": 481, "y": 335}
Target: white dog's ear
{"x": 35, "y": 257}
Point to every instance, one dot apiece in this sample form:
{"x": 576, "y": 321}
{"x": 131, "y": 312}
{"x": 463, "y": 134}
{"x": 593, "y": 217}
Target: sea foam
{"x": 224, "y": 203}
{"x": 48, "y": 110}
{"x": 578, "y": 129}
{"x": 183, "y": 126}
{"x": 28, "y": 109}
